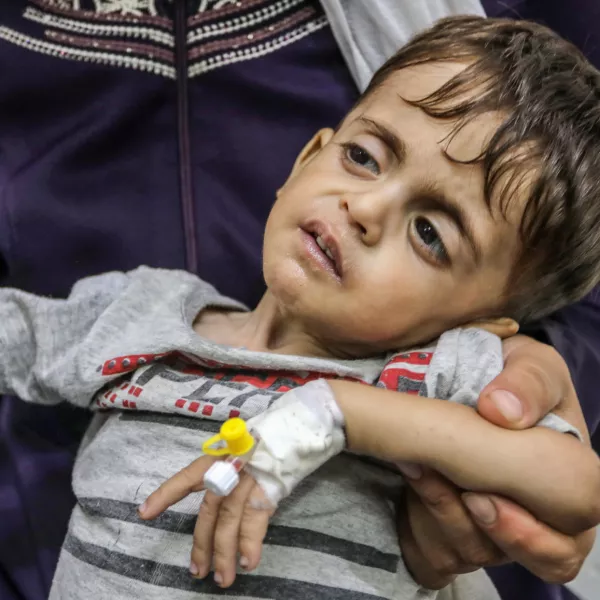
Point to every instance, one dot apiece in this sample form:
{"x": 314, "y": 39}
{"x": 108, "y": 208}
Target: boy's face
{"x": 411, "y": 246}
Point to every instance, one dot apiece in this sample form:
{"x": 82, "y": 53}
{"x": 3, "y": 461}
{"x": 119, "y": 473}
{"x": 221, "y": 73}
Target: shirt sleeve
{"x": 462, "y": 363}
{"x": 36, "y": 333}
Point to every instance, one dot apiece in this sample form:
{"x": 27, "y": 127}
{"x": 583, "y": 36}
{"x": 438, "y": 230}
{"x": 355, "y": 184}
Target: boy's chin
{"x": 288, "y": 281}
{"x": 298, "y": 299}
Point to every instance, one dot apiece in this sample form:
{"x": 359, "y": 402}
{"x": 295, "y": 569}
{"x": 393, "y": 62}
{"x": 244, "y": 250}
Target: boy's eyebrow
{"x": 387, "y": 135}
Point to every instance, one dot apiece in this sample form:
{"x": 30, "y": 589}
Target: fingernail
{"x": 410, "y": 470}
{"x": 244, "y": 562}
{"x": 194, "y": 569}
{"x": 508, "y": 404}
{"x": 218, "y": 579}
{"x": 481, "y": 508}
{"x": 143, "y": 508}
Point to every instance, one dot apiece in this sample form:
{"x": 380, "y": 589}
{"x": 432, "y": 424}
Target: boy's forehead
{"x": 389, "y": 106}
{"x": 391, "y": 103}
{"x": 418, "y": 81}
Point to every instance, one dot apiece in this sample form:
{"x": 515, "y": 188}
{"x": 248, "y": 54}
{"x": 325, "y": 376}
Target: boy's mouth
{"x": 323, "y": 247}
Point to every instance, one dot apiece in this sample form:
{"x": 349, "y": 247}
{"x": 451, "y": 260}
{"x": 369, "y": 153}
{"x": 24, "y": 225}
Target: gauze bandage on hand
{"x": 300, "y": 432}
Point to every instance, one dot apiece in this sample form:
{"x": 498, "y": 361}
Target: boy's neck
{"x": 265, "y": 329}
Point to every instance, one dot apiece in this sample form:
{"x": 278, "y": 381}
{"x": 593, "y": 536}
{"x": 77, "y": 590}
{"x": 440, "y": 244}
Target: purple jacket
{"x": 121, "y": 146}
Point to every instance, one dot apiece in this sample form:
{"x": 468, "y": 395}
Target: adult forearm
{"x": 551, "y": 474}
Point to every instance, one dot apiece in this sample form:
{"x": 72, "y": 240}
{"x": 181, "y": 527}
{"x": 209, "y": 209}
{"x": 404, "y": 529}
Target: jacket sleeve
{"x": 575, "y": 333}
{"x": 36, "y": 333}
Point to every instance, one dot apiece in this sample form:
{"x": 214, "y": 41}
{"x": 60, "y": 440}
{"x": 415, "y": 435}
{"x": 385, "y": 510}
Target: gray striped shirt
{"x": 123, "y": 345}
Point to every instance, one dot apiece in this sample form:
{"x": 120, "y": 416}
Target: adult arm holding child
{"x": 444, "y": 532}
{"x": 538, "y": 468}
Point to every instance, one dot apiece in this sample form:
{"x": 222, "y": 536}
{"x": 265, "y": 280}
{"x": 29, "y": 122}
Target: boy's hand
{"x": 441, "y": 538}
{"x": 225, "y": 526}
{"x": 283, "y": 457}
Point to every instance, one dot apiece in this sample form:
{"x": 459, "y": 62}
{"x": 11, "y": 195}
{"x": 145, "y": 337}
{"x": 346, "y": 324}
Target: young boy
{"x": 460, "y": 190}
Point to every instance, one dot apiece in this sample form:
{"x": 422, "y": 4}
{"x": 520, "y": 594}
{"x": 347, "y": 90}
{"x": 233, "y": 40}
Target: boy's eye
{"x": 359, "y": 156}
{"x": 431, "y": 239}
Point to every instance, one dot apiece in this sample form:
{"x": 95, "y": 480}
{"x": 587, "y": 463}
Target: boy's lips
{"x": 323, "y": 247}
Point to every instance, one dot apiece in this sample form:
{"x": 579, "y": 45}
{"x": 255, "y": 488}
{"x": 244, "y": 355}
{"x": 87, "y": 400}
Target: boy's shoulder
{"x": 456, "y": 366}
{"x": 151, "y": 282}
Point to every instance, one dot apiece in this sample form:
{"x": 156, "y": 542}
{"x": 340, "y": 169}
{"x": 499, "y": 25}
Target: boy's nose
{"x": 367, "y": 213}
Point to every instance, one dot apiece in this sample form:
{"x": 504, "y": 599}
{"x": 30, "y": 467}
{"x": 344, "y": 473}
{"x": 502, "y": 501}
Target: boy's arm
{"x": 37, "y": 334}
{"x": 551, "y": 474}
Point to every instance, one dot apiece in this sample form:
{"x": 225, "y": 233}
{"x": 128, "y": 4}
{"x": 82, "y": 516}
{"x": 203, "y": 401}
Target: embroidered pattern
{"x": 64, "y": 4}
{"x": 255, "y": 19}
{"x": 216, "y": 4}
{"x": 133, "y": 34}
{"x": 107, "y": 58}
{"x": 126, "y": 7}
{"x": 99, "y": 29}
{"x": 254, "y": 51}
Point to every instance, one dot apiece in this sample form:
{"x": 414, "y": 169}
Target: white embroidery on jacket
{"x": 126, "y": 7}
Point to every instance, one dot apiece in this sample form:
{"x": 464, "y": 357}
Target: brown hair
{"x": 548, "y": 144}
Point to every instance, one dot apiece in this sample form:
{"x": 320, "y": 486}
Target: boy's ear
{"x": 318, "y": 141}
{"x": 503, "y": 327}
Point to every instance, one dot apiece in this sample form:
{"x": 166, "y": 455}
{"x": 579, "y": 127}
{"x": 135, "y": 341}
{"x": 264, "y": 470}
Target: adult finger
{"x": 458, "y": 543}
{"x": 439, "y": 553}
{"x": 534, "y": 382}
{"x": 188, "y": 480}
{"x": 552, "y": 556}
{"x": 227, "y": 532}
{"x": 415, "y": 561}
{"x": 253, "y": 529}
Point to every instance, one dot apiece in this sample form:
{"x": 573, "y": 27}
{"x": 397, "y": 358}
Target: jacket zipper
{"x": 186, "y": 189}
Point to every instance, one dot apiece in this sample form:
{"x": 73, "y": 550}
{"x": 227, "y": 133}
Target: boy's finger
{"x": 552, "y": 556}
{"x": 188, "y": 480}
{"x": 227, "y": 531}
{"x": 534, "y": 382}
{"x": 253, "y": 528}
{"x": 204, "y": 531}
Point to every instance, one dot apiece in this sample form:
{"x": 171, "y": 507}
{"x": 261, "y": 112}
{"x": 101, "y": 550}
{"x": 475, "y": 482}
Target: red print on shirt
{"x": 128, "y": 363}
{"x": 195, "y": 387}
{"x": 406, "y": 372}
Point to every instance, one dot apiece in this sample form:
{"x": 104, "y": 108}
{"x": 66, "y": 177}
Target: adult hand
{"x": 534, "y": 382}
{"x": 444, "y": 532}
